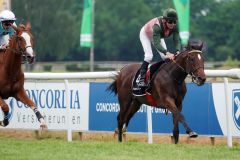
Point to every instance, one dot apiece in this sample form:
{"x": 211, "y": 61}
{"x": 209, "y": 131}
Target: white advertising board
{"x": 50, "y": 98}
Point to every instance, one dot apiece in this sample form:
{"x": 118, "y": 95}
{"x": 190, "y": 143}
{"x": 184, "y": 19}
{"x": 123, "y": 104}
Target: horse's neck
{"x": 12, "y": 62}
{"x": 177, "y": 70}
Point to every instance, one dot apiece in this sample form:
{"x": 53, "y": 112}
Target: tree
{"x": 56, "y": 27}
{"x": 117, "y": 28}
{"x": 53, "y": 26}
{"x": 215, "y": 23}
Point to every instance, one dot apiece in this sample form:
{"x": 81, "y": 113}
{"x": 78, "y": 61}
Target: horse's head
{"x": 195, "y": 63}
{"x": 24, "y": 43}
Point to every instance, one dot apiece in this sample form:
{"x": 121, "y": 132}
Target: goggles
{"x": 8, "y": 23}
{"x": 171, "y": 21}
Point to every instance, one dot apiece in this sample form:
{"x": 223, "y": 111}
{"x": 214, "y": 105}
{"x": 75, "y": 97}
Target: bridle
{"x": 187, "y": 71}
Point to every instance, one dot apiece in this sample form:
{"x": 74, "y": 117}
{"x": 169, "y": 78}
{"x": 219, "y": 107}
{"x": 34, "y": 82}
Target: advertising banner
{"x": 220, "y": 107}
{"x": 50, "y": 99}
{"x": 93, "y": 108}
{"x": 204, "y": 109}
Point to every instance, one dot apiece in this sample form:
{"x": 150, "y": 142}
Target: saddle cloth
{"x": 139, "y": 90}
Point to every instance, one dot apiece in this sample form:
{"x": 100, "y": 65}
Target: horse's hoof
{"x": 5, "y": 122}
{"x": 193, "y": 134}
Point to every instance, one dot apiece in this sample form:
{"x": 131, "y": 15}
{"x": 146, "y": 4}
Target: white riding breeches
{"x": 146, "y": 44}
{"x": 4, "y": 40}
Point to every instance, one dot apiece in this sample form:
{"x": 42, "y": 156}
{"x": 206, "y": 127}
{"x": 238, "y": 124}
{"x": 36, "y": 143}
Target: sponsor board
{"x": 50, "y": 98}
{"x": 236, "y": 108}
{"x": 95, "y": 109}
{"x": 218, "y": 93}
{"x": 198, "y": 111}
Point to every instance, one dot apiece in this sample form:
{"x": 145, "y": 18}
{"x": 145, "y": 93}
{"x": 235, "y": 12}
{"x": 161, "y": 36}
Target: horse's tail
{"x": 113, "y": 87}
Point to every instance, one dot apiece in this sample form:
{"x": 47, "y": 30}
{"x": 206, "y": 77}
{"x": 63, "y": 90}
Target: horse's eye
{"x": 191, "y": 61}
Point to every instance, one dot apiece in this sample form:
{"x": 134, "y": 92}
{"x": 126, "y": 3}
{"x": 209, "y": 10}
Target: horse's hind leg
{"x": 133, "y": 108}
{"x": 22, "y": 96}
{"x": 5, "y": 110}
{"x": 125, "y": 115}
{"x": 124, "y": 102}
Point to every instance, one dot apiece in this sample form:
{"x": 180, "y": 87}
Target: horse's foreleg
{"x": 189, "y": 131}
{"x": 22, "y": 96}
{"x": 5, "y": 109}
{"x": 175, "y": 130}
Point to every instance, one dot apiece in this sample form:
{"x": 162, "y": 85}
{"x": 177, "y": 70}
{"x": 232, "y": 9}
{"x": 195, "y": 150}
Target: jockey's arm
{"x": 157, "y": 39}
{"x": 176, "y": 40}
{"x": 12, "y": 31}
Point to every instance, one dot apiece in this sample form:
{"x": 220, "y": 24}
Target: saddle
{"x": 140, "y": 90}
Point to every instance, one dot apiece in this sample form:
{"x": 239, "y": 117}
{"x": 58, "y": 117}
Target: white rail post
{"x": 68, "y": 115}
{"x": 228, "y": 115}
{"x": 149, "y": 122}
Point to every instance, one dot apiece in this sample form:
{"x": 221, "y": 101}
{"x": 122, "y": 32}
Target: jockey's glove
{"x": 170, "y": 56}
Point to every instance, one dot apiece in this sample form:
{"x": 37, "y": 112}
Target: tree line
{"x": 56, "y": 27}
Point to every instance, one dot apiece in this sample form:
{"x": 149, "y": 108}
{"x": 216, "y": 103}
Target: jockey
{"x": 154, "y": 32}
{"x": 7, "y": 19}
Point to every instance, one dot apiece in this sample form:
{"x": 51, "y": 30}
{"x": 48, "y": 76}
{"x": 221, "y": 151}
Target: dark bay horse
{"x": 12, "y": 77}
{"x": 168, "y": 88}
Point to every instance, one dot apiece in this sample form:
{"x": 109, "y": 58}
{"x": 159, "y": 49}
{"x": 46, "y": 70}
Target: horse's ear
{"x": 201, "y": 46}
{"x": 28, "y": 26}
{"x": 188, "y": 47}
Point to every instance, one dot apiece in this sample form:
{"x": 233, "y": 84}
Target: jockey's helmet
{"x": 7, "y": 15}
{"x": 170, "y": 14}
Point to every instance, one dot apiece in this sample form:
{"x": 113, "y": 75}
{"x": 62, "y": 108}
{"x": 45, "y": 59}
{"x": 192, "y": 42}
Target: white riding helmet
{"x": 7, "y": 15}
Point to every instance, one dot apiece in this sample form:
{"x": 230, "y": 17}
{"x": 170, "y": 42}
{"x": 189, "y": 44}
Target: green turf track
{"x": 59, "y": 149}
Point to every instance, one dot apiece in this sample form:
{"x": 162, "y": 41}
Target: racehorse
{"x": 12, "y": 77}
{"x": 168, "y": 88}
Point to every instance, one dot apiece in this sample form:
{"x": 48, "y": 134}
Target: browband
{"x": 195, "y": 51}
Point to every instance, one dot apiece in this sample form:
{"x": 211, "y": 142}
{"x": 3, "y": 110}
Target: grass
{"x": 58, "y": 149}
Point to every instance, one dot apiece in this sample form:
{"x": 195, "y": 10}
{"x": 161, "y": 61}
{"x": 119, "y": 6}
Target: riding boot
{"x": 142, "y": 75}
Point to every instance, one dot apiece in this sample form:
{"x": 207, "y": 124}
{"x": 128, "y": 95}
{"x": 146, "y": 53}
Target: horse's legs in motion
{"x": 134, "y": 107}
{"x": 124, "y": 117}
{"x": 175, "y": 130}
{"x": 178, "y": 117}
{"x": 124, "y": 106}
{"x": 5, "y": 110}
{"x": 189, "y": 131}
{"x": 22, "y": 96}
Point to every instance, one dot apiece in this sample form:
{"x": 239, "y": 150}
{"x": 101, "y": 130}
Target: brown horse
{"x": 168, "y": 88}
{"x": 12, "y": 76}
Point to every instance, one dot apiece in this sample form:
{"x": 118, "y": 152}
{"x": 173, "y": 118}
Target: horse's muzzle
{"x": 199, "y": 80}
{"x": 30, "y": 59}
